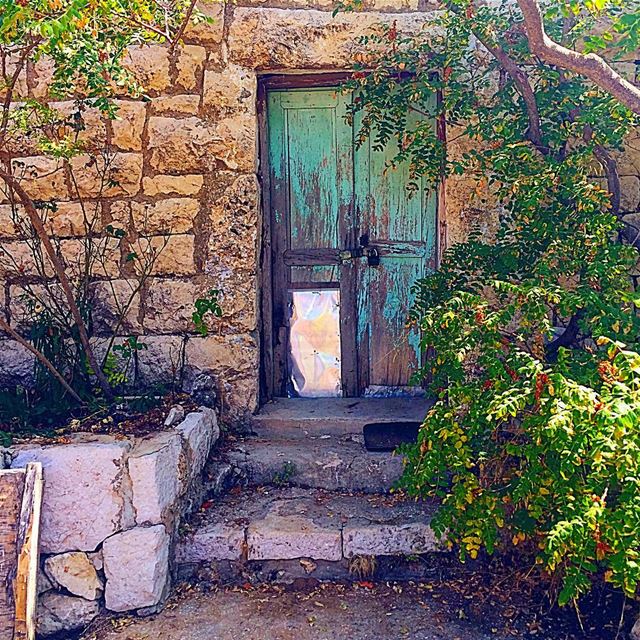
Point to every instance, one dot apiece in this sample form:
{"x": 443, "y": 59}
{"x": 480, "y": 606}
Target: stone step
{"x": 304, "y": 417}
{"x": 325, "y": 462}
{"x": 285, "y": 524}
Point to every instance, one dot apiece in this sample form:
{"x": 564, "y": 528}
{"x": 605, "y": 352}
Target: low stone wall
{"x": 111, "y": 509}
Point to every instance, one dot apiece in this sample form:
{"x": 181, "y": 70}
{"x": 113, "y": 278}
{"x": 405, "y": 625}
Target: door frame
{"x": 265, "y": 276}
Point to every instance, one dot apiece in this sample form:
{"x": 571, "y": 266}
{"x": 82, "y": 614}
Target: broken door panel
{"x": 314, "y": 338}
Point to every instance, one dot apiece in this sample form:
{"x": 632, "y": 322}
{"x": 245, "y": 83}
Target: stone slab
{"x": 219, "y": 541}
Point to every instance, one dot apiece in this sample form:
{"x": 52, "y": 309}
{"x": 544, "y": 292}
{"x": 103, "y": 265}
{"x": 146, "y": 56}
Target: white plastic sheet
{"x": 314, "y": 349}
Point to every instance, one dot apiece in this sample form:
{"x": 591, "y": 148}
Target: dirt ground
{"x": 360, "y": 611}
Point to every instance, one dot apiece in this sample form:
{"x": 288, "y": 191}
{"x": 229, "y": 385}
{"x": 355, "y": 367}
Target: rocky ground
{"x": 484, "y": 601}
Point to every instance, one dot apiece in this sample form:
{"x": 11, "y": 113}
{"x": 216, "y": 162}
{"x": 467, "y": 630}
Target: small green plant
{"x": 208, "y": 304}
{"x": 282, "y": 478}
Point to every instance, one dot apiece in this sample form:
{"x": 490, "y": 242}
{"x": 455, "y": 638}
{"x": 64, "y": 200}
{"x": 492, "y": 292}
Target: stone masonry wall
{"x": 186, "y": 167}
{"x": 111, "y": 511}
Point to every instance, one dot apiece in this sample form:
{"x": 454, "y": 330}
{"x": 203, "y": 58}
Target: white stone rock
{"x": 288, "y": 537}
{"x": 136, "y": 564}
{"x": 83, "y": 502}
{"x": 58, "y": 612}
{"x": 635, "y": 631}
{"x": 175, "y": 415}
{"x": 219, "y": 541}
{"x": 74, "y": 572}
{"x": 388, "y": 539}
{"x": 154, "y": 469}
{"x": 201, "y": 431}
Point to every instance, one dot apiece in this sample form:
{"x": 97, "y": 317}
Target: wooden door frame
{"x": 265, "y": 277}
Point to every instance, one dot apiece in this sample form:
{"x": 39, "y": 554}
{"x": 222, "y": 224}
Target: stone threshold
{"x": 293, "y": 523}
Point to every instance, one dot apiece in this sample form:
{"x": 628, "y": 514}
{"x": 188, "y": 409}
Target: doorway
{"x": 344, "y": 242}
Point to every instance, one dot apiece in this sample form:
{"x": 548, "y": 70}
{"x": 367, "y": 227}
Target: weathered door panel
{"x": 402, "y": 228}
{"x": 311, "y": 182}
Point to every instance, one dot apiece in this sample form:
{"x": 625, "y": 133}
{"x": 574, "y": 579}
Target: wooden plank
{"x": 28, "y": 544}
{"x": 11, "y": 489}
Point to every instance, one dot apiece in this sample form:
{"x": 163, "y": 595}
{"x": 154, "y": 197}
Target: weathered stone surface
{"x": 635, "y": 631}
{"x": 150, "y": 65}
{"x": 77, "y": 478}
{"x": 182, "y": 145}
{"x": 170, "y": 305}
{"x": 154, "y": 468}
{"x": 75, "y": 218}
{"x": 94, "y": 134}
{"x": 160, "y": 362}
{"x": 188, "y": 185}
{"x": 74, "y": 572}
{"x": 16, "y": 259}
{"x": 239, "y": 150}
{"x": 93, "y": 178}
{"x": 58, "y": 612}
{"x": 42, "y": 178}
{"x": 211, "y": 32}
{"x": 220, "y": 541}
{"x": 630, "y": 193}
{"x": 175, "y": 415}
{"x": 105, "y": 251}
{"x": 189, "y": 66}
{"x": 288, "y": 537}
{"x": 232, "y": 88}
{"x": 136, "y": 565}
{"x": 171, "y": 215}
{"x": 174, "y": 255}
{"x": 16, "y": 363}
{"x": 176, "y": 105}
{"x": 128, "y": 126}
{"x": 388, "y": 540}
{"x": 8, "y": 217}
{"x": 200, "y": 431}
{"x": 268, "y": 38}
{"x": 116, "y": 306}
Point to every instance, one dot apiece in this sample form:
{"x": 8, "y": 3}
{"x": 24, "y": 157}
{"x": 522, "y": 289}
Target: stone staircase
{"x": 306, "y": 499}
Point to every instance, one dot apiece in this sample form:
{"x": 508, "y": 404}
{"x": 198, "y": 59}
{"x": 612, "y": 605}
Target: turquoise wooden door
{"x": 345, "y": 243}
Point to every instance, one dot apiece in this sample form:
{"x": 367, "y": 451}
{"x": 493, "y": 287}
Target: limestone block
{"x": 128, "y": 126}
{"x": 288, "y": 537}
{"x": 189, "y": 65}
{"x": 219, "y": 541}
{"x": 93, "y": 130}
{"x": 175, "y": 415}
{"x": 74, "y": 219}
{"x": 239, "y": 133}
{"x": 182, "y": 145}
{"x": 266, "y": 38}
{"x": 154, "y": 468}
{"x": 16, "y": 363}
{"x": 94, "y": 178}
{"x": 17, "y": 259}
{"x": 388, "y": 539}
{"x": 630, "y": 193}
{"x": 174, "y": 255}
{"x": 83, "y": 500}
{"x": 188, "y": 185}
{"x": 20, "y": 299}
{"x": 171, "y": 215}
{"x": 200, "y": 431}
{"x": 170, "y": 305}
{"x": 208, "y": 32}
{"x": 41, "y": 77}
{"x": 21, "y": 89}
{"x": 136, "y": 565}
{"x": 59, "y": 613}
{"x": 42, "y": 178}
{"x": 150, "y": 66}
{"x": 116, "y": 302}
{"x": 105, "y": 252}
{"x": 74, "y": 572}
{"x": 233, "y": 87}
{"x": 224, "y": 354}
{"x": 160, "y": 362}
{"x": 176, "y": 105}
{"x": 8, "y": 217}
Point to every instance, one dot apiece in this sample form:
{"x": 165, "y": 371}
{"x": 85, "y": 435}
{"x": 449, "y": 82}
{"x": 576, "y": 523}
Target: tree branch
{"x": 58, "y": 268}
{"x": 590, "y": 65}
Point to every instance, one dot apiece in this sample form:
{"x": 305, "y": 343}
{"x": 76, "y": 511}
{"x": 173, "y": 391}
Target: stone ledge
{"x": 111, "y": 510}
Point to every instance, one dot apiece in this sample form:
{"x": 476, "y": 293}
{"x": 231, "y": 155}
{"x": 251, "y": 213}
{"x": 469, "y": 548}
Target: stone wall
{"x": 110, "y": 516}
{"x": 186, "y": 163}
